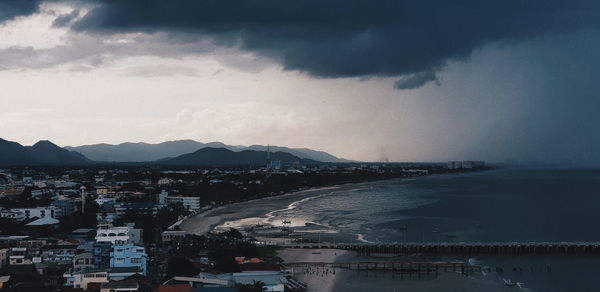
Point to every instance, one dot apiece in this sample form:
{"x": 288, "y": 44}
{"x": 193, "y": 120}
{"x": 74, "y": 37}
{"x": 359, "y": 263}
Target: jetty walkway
{"x": 458, "y": 247}
{"x": 427, "y": 268}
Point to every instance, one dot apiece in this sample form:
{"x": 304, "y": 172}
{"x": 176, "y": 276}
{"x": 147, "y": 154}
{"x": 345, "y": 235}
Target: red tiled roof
{"x": 175, "y": 288}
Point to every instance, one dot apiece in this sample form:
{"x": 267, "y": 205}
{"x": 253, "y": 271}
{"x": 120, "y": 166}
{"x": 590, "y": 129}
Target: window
{"x": 89, "y": 276}
{"x": 135, "y": 260}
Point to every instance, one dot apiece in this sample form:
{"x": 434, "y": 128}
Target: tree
{"x": 254, "y": 287}
{"x": 179, "y": 266}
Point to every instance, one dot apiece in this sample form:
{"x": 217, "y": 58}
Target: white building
{"x": 19, "y": 256}
{"x": 4, "y": 252}
{"x": 165, "y": 181}
{"x": 118, "y": 235}
{"x": 169, "y": 235}
{"x": 40, "y": 212}
{"x": 12, "y": 214}
{"x": 190, "y": 203}
{"x": 103, "y": 199}
{"x": 81, "y": 279}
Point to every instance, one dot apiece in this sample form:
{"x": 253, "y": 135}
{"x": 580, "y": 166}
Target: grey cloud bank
{"x": 493, "y": 81}
{"x": 10, "y": 9}
{"x": 351, "y": 38}
{"x": 343, "y": 38}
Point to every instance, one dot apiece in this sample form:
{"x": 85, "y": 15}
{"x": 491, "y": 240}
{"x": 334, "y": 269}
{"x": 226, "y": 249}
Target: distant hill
{"x": 41, "y": 153}
{"x": 300, "y": 152}
{"x": 137, "y": 152}
{"x": 210, "y": 156}
{"x": 140, "y": 152}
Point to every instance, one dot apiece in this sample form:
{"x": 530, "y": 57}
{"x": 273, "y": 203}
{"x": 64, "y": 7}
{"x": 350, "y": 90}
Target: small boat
{"x": 509, "y": 283}
{"x": 286, "y": 221}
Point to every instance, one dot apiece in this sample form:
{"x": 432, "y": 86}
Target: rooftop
{"x": 120, "y": 284}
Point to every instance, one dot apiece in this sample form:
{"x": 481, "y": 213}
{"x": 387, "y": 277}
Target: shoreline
{"x": 259, "y": 208}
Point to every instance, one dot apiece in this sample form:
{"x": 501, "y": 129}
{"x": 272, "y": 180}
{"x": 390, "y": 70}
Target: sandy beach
{"x": 254, "y": 210}
{"x": 322, "y": 279}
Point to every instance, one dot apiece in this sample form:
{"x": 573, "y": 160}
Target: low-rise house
{"x": 139, "y": 207}
{"x": 4, "y": 252}
{"x": 83, "y": 261}
{"x": 81, "y": 279}
{"x": 274, "y": 281}
{"x": 47, "y": 221}
{"x": 201, "y": 280}
{"x": 13, "y": 214}
{"x": 83, "y": 234}
{"x": 61, "y": 254}
{"x": 12, "y": 193}
{"x": 39, "y": 212}
{"x": 190, "y": 203}
{"x": 174, "y": 288}
{"x": 106, "y": 217}
{"x": 105, "y": 199}
{"x": 122, "y": 273}
{"x": 170, "y": 235}
{"x": 119, "y": 286}
{"x": 63, "y": 207}
{"x": 165, "y": 181}
{"x": 20, "y": 256}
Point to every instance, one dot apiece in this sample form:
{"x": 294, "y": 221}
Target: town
{"x": 115, "y": 227}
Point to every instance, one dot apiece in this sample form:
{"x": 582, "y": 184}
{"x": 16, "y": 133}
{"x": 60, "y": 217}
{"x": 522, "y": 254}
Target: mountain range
{"x": 180, "y": 153}
{"x": 210, "y": 156}
{"x": 41, "y": 153}
{"x": 143, "y": 152}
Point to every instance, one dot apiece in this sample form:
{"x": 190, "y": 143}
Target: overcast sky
{"x": 365, "y": 80}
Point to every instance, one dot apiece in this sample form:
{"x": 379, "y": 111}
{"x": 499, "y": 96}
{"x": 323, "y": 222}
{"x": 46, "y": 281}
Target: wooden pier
{"x": 460, "y": 247}
{"x": 426, "y": 268}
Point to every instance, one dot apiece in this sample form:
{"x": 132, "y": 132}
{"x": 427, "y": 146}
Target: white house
{"x": 40, "y": 212}
{"x": 12, "y": 214}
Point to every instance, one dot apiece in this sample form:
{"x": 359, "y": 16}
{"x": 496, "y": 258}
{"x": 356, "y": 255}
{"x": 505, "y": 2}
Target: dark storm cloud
{"x": 10, "y": 9}
{"x": 351, "y": 38}
{"x": 66, "y": 19}
{"x": 416, "y": 80}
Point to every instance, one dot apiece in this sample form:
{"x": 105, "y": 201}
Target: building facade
{"x": 190, "y": 203}
{"x": 128, "y": 256}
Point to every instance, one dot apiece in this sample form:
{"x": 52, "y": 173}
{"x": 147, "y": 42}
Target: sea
{"x": 491, "y": 206}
